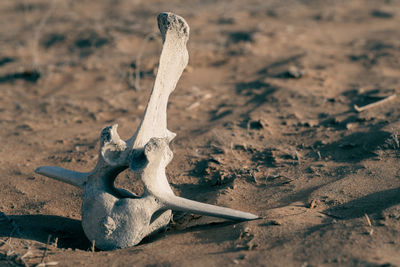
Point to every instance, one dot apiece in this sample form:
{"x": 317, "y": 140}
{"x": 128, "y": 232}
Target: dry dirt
{"x": 264, "y": 115}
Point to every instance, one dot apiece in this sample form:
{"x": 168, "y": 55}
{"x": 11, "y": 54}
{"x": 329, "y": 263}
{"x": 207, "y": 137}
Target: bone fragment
{"x": 116, "y": 218}
{"x": 372, "y": 105}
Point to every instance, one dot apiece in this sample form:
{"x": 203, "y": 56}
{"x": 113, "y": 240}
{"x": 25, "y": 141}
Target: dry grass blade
{"x": 15, "y": 228}
{"x": 368, "y": 220}
{"x": 50, "y": 263}
{"x": 371, "y": 230}
{"x": 55, "y": 244}
{"x": 11, "y": 254}
{"x": 46, "y": 249}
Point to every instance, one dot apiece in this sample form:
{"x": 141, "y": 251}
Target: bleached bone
{"x": 116, "y": 218}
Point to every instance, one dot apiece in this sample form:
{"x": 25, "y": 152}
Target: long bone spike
{"x": 173, "y": 60}
{"x": 158, "y": 156}
{"x": 112, "y": 155}
{"x": 67, "y": 176}
{"x": 183, "y": 204}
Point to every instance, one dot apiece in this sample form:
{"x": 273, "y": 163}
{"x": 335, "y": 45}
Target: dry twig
{"x": 371, "y": 230}
{"x": 46, "y": 249}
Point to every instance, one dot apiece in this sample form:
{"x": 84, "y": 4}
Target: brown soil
{"x": 265, "y": 121}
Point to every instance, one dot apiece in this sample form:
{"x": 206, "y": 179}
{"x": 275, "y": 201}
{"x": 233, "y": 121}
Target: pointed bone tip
{"x": 183, "y": 204}
{"x": 248, "y": 217}
{"x": 110, "y": 134}
{"x": 253, "y": 217}
{"x": 112, "y": 148}
{"x": 170, "y": 21}
{"x": 43, "y": 170}
{"x": 170, "y": 136}
{"x": 38, "y": 170}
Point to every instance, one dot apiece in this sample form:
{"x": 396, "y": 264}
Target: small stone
{"x": 350, "y": 126}
{"x": 310, "y": 123}
{"x": 294, "y": 72}
{"x": 274, "y": 222}
{"x": 189, "y": 69}
{"x": 257, "y": 124}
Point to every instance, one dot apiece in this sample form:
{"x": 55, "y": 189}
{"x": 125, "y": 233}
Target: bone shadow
{"x": 198, "y": 228}
{"x": 38, "y": 227}
{"x": 70, "y": 234}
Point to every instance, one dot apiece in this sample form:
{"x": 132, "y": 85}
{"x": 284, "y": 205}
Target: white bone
{"x": 116, "y": 218}
{"x": 173, "y": 60}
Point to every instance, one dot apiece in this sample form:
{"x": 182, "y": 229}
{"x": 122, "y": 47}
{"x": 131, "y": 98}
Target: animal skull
{"x": 116, "y": 218}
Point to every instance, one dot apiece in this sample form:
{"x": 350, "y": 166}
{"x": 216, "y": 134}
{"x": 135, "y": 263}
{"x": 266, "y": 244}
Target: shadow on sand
{"x": 68, "y": 231}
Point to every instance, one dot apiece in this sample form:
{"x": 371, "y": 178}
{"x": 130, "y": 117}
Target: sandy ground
{"x": 264, "y": 115}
